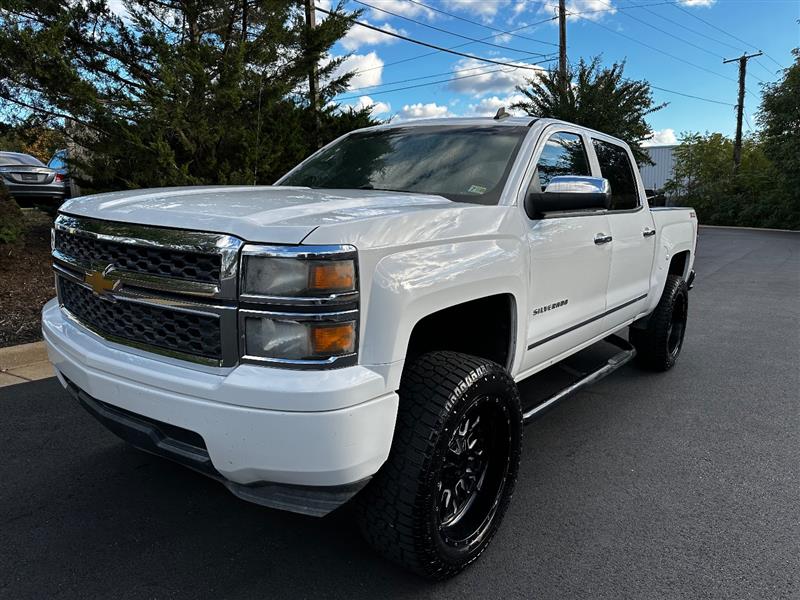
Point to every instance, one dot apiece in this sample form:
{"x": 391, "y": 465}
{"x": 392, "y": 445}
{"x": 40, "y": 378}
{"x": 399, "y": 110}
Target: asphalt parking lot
{"x": 680, "y": 485}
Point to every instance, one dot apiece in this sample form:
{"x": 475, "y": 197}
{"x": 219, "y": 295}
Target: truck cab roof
{"x": 526, "y": 121}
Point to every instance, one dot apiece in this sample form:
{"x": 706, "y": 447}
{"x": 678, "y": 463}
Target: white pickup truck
{"x": 358, "y": 329}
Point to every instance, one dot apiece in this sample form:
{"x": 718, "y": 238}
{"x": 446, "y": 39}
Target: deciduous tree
{"x": 779, "y": 119}
{"x": 754, "y": 197}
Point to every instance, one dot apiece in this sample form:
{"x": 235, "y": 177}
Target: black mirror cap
{"x": 539, "y": 203}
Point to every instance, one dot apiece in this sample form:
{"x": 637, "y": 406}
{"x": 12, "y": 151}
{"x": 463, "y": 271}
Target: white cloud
{"x": 478, "y": 77}
{"x": 361, "y": 36}
{"x": 368, "y": 69}
{"x": 520, "y": 7}
{"x": 593, "y": 10}
{"x": 697, "y": 2}
{"x": 378, "y": 108}
{"x": 662, "y": 137}
{"x": 485, "y": 9}
{"x": 487, "y": 107}
{"x": 401, "y": 7}
{"x": 320, "y": 16}
{"x": 424, "y": 111}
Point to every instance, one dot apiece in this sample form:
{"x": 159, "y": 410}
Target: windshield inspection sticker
{"x": 476, "y": 189}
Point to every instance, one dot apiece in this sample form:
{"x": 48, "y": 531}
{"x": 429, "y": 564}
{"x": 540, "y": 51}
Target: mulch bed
{"x": 26, "y": 282}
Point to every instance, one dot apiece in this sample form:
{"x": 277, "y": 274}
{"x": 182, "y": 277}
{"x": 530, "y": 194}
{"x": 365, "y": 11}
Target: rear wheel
{"x": 439, "y": 499}
{"x": 659, "y": 343}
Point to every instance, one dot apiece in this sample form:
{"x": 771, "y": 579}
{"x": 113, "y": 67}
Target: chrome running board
{"x": 627, "y": 354}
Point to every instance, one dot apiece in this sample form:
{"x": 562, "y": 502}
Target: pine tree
{"x": 173, "y": 92}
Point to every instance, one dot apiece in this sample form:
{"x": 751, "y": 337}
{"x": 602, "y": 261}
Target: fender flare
{"x": 412, "y": 284}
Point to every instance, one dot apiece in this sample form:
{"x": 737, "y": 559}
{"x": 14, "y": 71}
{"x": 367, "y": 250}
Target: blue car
{"x": 59, "y": 163}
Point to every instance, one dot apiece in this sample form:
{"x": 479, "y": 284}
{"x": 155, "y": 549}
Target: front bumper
{"x": 338, "y": 434}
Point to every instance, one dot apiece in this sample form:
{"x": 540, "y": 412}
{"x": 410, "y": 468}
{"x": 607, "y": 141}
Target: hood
{"x": 267, "y": 214}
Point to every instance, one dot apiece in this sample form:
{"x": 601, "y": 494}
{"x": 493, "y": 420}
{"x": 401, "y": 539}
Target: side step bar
{"x": 627, "y": 354}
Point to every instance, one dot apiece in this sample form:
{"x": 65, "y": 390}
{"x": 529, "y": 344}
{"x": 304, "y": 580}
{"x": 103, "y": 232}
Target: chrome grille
{"x": 167, "y": 291}
{"x": 172, "y": 330}
{"x": 161, "y": 262}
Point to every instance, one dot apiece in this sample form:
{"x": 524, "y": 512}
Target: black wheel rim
{"x": 677, "y": 327}
{"x": 474, "y": 469}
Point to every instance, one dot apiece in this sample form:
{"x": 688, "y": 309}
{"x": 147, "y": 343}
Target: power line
{"x": 419, "y": 42}
{"x": 664, "y": 52}
{"x": 489, "y": 27}
{"x": 701, "y": 34}
{"x": 426, "y": 54}
{"x": 763, "y": 66}
{"x": 612, "y": 8}
{"x": 419, "y": 85}
{"x": 378, "y": 85}
{"x": 685, "y": 41}
{"x": 686, "y": 27}
{"x": 512, "y": 67}
{"x": 728, "y": 33}
{"x": 448, "y": 32}
{"x": 655, "y": 87}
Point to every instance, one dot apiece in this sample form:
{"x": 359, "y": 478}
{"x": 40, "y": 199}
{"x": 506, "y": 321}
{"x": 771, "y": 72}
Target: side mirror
{"x": 567, "y": 193}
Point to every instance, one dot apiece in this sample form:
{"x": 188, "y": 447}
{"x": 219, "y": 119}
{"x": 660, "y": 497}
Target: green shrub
{"x": 12, "y": 221}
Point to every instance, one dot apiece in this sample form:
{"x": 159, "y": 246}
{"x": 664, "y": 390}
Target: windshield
{"x": 461, "y": 163}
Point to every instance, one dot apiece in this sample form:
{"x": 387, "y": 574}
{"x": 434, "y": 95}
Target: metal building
{"x": 655, "y": 176}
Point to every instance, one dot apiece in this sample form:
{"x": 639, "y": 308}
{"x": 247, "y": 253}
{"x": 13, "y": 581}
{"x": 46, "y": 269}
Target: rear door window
{"x": 615, "y": 165}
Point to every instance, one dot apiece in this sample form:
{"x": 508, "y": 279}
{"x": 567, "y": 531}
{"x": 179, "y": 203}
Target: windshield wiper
{"x": 369, "y": 186}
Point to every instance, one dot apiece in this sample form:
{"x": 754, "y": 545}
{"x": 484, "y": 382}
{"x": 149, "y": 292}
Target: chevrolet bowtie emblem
{"x": 100, "y": 282}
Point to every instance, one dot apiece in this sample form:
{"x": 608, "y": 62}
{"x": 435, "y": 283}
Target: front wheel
{"x": 659, "y": 343}
{"x": 439, "y": 499}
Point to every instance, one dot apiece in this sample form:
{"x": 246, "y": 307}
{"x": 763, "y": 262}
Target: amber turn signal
{"x": 334, "y": 339}
{"x": 333, "y": 276}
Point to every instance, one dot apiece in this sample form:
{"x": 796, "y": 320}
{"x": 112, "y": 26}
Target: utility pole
{"x": 313, "y": 92}
{"x": 737, "y": 143}
{"x": 562, "y": 43}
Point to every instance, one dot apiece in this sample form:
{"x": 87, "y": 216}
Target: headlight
{"x": 300, "y": 305}
{"x": 298, "y": 272}
{"x": 288, "y": 338}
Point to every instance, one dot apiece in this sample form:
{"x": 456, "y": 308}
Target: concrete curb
{"x": 24, "y": 354}
{"x": 26, "y": 362}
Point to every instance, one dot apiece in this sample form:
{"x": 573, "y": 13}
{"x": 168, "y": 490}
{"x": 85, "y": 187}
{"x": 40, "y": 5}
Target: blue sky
{"x": 643, "y": 32}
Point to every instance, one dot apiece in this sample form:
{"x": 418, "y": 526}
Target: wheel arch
{"x": 483, "y": 327}
{"x": 679, "y": 264}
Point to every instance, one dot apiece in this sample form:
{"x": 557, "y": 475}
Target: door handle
{"x": 602, "y": 238}
{"x": 648, "y": 232}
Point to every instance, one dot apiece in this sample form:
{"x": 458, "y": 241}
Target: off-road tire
{"x": 659, "y": 343}
{"x": 399, "y": 512}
